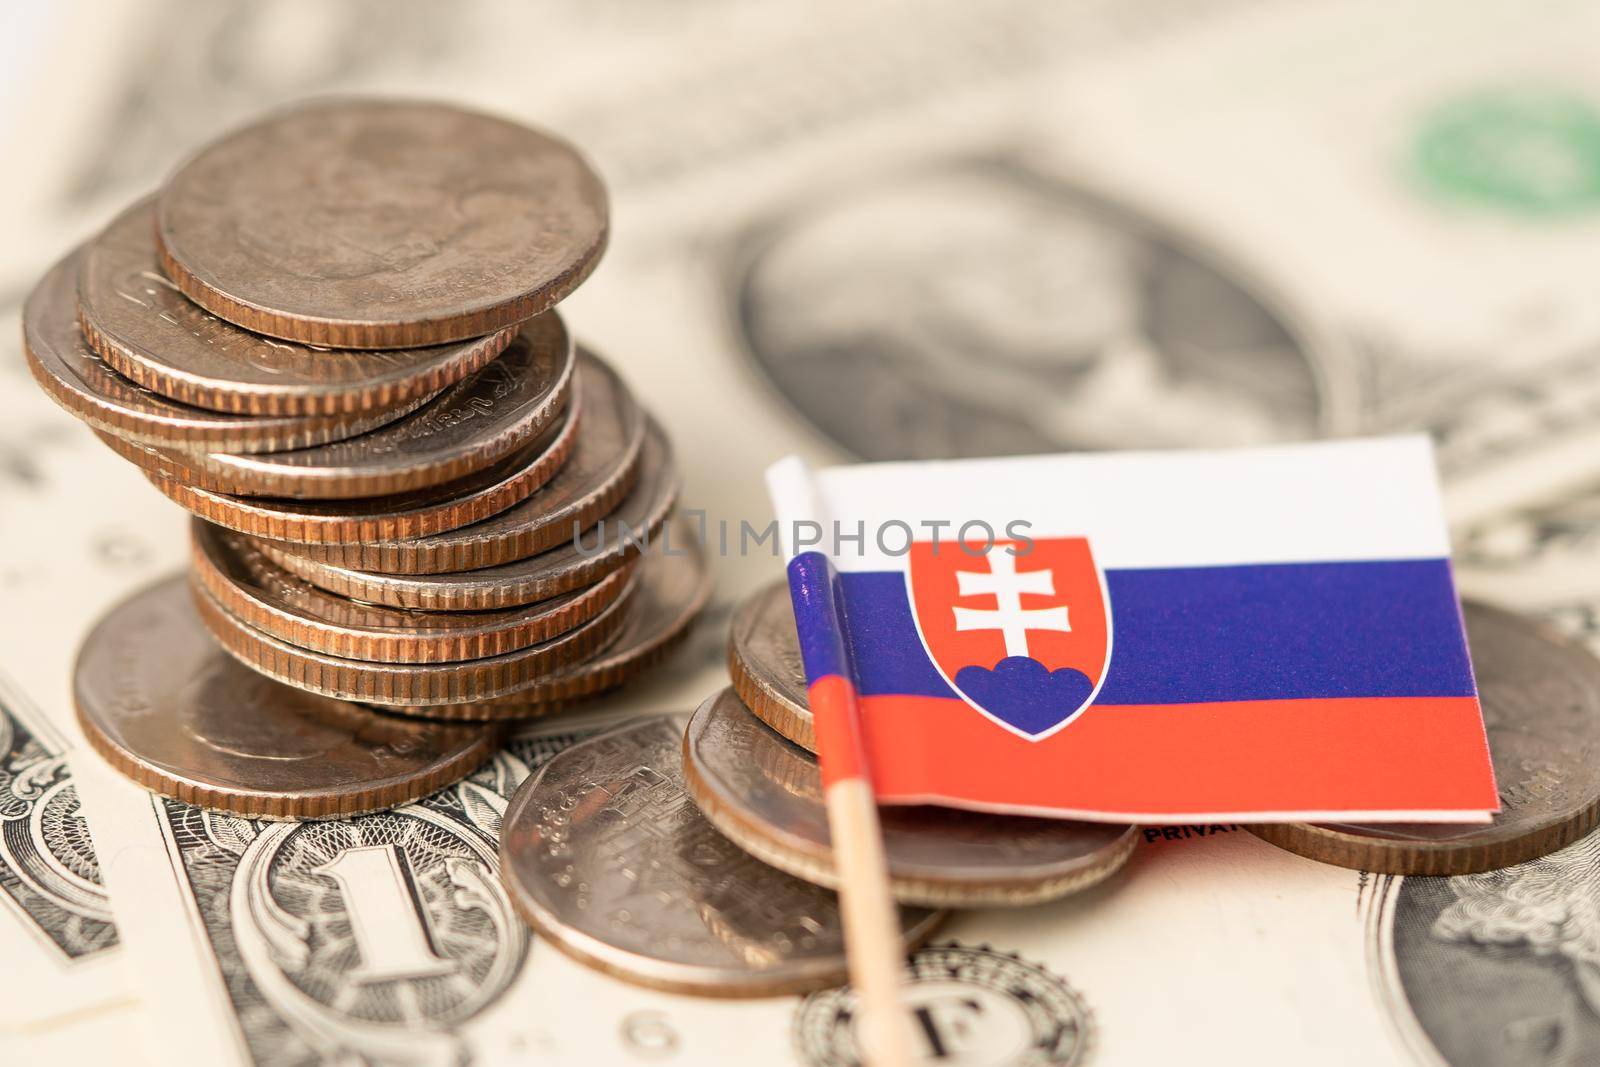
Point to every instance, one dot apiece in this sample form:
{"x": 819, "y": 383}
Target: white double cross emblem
{"x": 1006, "y": 585}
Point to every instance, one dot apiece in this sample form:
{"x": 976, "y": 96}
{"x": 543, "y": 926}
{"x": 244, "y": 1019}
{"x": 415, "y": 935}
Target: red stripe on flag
{"x": 1346, "y": 754}
{"x": 841, "y": 753}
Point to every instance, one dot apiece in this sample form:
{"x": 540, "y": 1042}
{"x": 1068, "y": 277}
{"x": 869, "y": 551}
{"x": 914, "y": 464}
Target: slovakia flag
{"x": 1250, "y": 635}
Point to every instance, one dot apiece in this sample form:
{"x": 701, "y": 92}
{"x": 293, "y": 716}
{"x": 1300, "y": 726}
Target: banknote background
{"x": 863, "y": 230}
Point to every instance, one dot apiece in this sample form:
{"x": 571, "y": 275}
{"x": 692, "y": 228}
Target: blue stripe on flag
{"x": 1201, "y": 634}
{"x": 816, "y": 615}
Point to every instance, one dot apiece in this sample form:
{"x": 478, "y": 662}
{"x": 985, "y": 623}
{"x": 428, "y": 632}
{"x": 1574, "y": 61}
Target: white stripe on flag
{"x": 1350, "y": 500}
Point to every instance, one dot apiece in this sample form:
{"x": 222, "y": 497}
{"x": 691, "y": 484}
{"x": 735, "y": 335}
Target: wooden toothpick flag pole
{"x": 871, "y": 920}
{"x": 871, "y": 923}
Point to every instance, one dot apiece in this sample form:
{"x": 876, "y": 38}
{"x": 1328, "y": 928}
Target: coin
{"x": 590, "y": 555}
{"x": 604, "y": 855}
{"x": 67, "y": 369}
{"x": 766, "y": 794}
{"x": 260, "y": 594}
{"x": 166, "y": 707}
{"x": 417, "y": 513}
{"x": 764, "y": 663}
{"x": 408, "y": 684}
{"x": 669, "y": 592}
{"x": 604, "y": 465}
{"x": 381, "y": 223}
{"x": 1540, "y": 693}
{"x": 463, "y": 429}
{"x": 138, "y": 322}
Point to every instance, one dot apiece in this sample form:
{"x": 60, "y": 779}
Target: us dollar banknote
{"x": 76, "y": 538}
{"x": 1162, "y": 223}
{"x": 377, "y": 939}
{"x": 1495, "y": 968}
{"x": 1321, "y": 262}
{"x": 1504, "y": 967}
{"x": 1543, "y": 560}
{"x": 56, "y": 926}
{"x": 387, "y": 939}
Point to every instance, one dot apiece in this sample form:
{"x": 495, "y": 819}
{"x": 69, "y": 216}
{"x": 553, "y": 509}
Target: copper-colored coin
{"x": 409, "y": 685}
{"x": 765, "y": 794}
{"x": 467, "y": 427}
{"x": 764, "y": 663}
{"x": 582, "y": 560}
{"x": 671, "y": 587}
{"x": 261, "y": 594}
{"x": 1540, "y": 693}
{"x": 381, "y": 224}
{"x": 166, "y": 707}
{"x": 419, "y": 513}
{"x": 145, "y": 329}
{"x": 603, "y": 854}
{"x": 603, "y": 467}
{"x": 66, "y": 368}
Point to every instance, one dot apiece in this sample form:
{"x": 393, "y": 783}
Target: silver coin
{"x": 66, "y": 368}
{"x": 577, "y": 561}
{"x": 381, "y": 223}
{"x": 604, "y": 854}
{"x": 135, "y": 318}
{"x": 409, "y": 684}
{"x": 465, "y": 428}
{"x": 599, "y": 472}
{"x": 671, "y": 587}
{"x": 420, "y": 512}
{"x": 766, "y": 794}
{"x": 165, "y": 706}
{"x": 764, "y": 663}
{"x": 267, "y": 598}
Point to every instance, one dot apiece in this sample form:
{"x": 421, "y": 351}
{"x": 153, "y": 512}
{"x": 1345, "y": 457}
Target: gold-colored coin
{"x": 603, "y": 467}
{"x": 419, "y": 513}
{"x": 409, "y": 684}
{"x": 136, "y": 320}
{"x": 1540, "y": 693}
{"x": 165, "y": 706}
{"x": 582, "y": 560}
{"x": 260, "y": 594}
{"x": 765, "y": 794}
{"x": 671, "y": 587}
{"x": 74, "y": 377}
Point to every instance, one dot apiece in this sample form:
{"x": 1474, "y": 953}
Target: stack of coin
{"x": 748, "y": 763}
{"x": 331, "y": 336}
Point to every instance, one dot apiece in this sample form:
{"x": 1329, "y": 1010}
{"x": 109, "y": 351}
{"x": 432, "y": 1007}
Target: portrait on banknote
{"x": 1099, "y": 328}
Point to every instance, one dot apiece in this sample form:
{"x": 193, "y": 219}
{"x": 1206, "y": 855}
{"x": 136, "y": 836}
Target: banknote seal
{"x": 969, "y": 1005}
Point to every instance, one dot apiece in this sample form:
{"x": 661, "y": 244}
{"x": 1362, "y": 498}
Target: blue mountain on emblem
{"x": 1023, "y": 694}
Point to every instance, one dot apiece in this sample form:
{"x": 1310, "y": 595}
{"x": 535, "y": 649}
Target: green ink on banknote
{"x": 1528, "y": 152}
